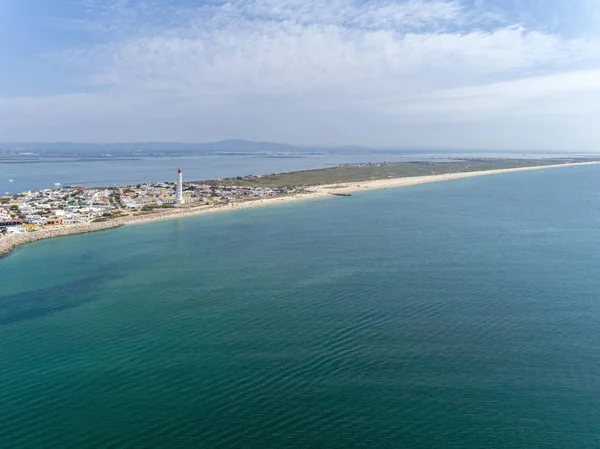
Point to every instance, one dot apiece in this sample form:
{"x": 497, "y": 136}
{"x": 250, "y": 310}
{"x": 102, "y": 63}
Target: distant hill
{"x": 224, "y": 145}
{"x": 230, "y": 146}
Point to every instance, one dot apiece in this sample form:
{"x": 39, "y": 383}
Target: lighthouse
{"x": 179, "y": 190}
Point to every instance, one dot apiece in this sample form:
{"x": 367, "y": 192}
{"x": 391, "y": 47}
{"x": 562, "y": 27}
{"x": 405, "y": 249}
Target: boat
{"x": 10, "y": 180}
{"x": 57, "y": 183}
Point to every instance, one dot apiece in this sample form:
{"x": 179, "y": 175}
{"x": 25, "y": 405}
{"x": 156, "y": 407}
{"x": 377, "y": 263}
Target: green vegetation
{"x": 107, "y": 216}
{"x": 148, "y": 208}
{"x": 385, "y": 170}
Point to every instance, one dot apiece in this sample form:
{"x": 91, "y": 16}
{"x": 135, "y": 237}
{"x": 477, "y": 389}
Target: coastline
{"x": 9, "y": 243}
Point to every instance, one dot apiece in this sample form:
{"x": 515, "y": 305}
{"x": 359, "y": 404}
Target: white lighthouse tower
{"x": 179, "y": 190}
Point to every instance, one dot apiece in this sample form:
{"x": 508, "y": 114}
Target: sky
{"x": 464, "y": 74}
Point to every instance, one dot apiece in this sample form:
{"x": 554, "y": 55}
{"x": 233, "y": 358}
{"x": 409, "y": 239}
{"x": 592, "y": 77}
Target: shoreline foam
{"x": 9, "y": 243}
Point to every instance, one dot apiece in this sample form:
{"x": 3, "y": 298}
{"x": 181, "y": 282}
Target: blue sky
{"x": 29, "y": 30}
{"x": 454, "y": 73}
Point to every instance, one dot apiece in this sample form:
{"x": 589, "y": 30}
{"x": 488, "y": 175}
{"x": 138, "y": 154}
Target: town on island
{"x": 70, "y": 205}
{"x": 64, "y": 210}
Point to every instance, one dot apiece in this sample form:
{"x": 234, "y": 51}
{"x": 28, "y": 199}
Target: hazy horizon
{"x": 249, "y": 145}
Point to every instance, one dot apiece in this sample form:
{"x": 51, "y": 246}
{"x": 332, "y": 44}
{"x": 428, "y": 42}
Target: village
{"x": 164, "y": 195}
{"x": 69, "y": 205}
{"x": 32, "y": 210}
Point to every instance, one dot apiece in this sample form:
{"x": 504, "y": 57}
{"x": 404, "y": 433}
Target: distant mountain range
{"x": 233, "y": 146}
{"x": 221, "y": 146}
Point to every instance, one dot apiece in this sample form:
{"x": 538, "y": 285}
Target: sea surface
{"x": 461, "y": 314}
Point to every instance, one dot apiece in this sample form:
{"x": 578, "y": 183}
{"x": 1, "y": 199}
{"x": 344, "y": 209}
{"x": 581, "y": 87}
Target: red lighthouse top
{"x": 178, "y": 170}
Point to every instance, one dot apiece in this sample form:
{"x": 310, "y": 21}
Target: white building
{"x": 15, "y": 230}
{"x": 179, "y": 190}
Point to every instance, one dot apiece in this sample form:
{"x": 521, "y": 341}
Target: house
{"x": 36, "y": 220}
{"x": 15, "y": 230}
{"x": 70, "y": 219}
{"x": 11, "y": 222}
{"x": 54, "y": 220}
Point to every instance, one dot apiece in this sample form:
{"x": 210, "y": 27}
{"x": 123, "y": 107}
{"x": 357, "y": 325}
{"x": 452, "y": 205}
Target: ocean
{"x": 460, "y": 314}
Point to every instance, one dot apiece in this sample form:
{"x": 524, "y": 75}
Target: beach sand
{"x": 8, "y": 243}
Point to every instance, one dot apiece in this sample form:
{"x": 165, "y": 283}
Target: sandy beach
{"x": 9, "y": 243}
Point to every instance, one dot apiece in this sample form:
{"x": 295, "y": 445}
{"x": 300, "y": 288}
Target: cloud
{"x": 556, "y": 94}
{"x": 311, "y": 71}
{"x": 368, "y": 15}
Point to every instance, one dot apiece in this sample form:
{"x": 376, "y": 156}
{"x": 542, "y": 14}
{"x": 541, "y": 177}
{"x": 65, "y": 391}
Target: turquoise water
{"x": 459, "y": 314}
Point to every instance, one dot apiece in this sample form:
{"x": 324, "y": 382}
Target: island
{"x": 66, "y": 210}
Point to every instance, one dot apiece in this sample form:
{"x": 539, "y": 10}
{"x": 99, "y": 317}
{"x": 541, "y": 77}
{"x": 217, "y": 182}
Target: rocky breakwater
{"x": 8, "y": 243}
